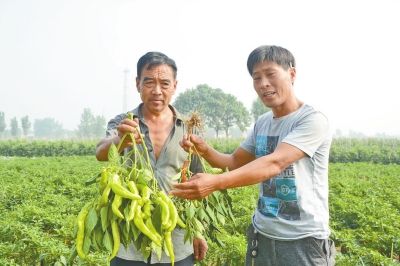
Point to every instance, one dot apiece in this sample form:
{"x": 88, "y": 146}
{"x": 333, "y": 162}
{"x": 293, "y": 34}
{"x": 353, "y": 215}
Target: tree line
{"x": 90, "y": 127}
{"x": 220, "y": 112}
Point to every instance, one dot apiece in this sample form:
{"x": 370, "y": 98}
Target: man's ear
{"x": 175, "y": 86}
{"x": 293, "y": 74}
{"x": 137, "y": 84}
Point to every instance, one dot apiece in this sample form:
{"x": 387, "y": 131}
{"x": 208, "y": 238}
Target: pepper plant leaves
{"x": 107, "y": 241}
{"x": 211, "y": 214}
{"x": 104, "y": 218}
{"x": 190, "y": 211}
{"x": 113, "y": 155}
{"x": 156, "y": 218}
{"x": 92, "y": 180}
{"x": 86, "y": 244}
{"x": 135, "y": 232}
{"x": 91, "y": 221}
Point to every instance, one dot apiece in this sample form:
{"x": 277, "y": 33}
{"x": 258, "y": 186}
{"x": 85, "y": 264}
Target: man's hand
{"x": 195, "y": 143}
{"x": 200, "y": 248}
{"x": 199, "y": 186}
{"x": 129, "y": 126}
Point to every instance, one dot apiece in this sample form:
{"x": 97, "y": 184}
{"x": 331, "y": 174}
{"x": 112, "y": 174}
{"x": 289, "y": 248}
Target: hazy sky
{"x": 60, "y": 56}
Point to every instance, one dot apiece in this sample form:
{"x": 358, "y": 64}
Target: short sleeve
{"x": 249, "y": 144}
{"x": 112, "y": 125}
{"x": 309, "y": 133}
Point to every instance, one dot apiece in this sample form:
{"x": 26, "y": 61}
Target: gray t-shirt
{"x": 166, "y": 166}
{"x": 293, "y": 204}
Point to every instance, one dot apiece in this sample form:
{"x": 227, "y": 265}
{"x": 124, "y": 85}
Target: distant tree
{"x": 2, "y": 123}
{"x": 219, "y": 110}
{"x": 91, "y": 126}
{"x": 234, "y": 113}
{"x": 258, "y": 108}
{"x": 99, "y": 126}
{"x": 26, "y": 125}
{"x": 204, "y": 100}
{"x": 14, "y": 127}
{"x": 197, "y": 99}
{"x": 47, "y": 128}
{"x": 85, "y": 128}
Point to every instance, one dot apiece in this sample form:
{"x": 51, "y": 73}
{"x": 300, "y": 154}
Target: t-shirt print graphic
{"x": 279, "y": 197}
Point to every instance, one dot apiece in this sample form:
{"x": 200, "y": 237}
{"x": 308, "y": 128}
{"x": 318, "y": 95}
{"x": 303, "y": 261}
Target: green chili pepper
{"x": 132, "y": 209}
{"x": 151, "y": 227}
{"x": 103, "y": 180}
{"x": 80, "y": 236}
{"x": 104, "y": 196}
{"x": 180, "y": 222}
{"x": 164, "y": 212}
{"x": 173, "y": 216}
{"x": 133, "y": 188}
{"x": 115, "y": 206}
{"x": 145, "y": 192}
{"x": 117, "y": 188}
{"x": 169, "y": 246}
{"x": 147, "y": 210}
{"x": 116, "y": 238}
{"x": 138, "y": 221}
{"x": 173, "y": 212}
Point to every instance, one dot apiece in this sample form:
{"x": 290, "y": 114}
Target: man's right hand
{"x": 195, "y": 143}
{"x": 128, "y": 126}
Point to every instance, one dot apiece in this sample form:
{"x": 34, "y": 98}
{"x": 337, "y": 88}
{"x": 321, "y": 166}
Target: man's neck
{"x": 288, "y": 108}
{"x": 161, "y": 117}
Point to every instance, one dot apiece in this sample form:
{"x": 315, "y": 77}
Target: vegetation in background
{"x": 220, "y": 110}
{"x": 91, "y": 127}
{"x": 3, "y": 124}
{"x": 47, "y": 128}
{"x": 26, "y": 125}
{"x": 343, "y": 150}
{"x": 365, "y": 213}
{"x": 374, "y": 150}
{"x": 258, "y": 108}
{"x": 37, "y": 148}
{"x": 41, "y": 197}
{"x": 14, "y": 127}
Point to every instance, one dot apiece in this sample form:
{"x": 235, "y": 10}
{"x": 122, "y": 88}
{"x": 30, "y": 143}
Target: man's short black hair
{"x": 272, "y": 53}
{"x": 151, "y": 59}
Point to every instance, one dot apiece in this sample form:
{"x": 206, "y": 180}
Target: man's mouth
{"x": 268, "y": 93}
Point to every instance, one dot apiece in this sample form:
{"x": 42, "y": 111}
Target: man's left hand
{"x": 200, "y": 248}
{"x": 199, "y": 186}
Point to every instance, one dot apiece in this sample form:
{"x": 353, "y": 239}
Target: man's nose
{"x": 157, "y": 88}
{"x": 265, "y": 83}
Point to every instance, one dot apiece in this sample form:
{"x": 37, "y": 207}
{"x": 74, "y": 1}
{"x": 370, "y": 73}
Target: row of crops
{"x": 343, "y": 150}
{"x": 40, "y": 198}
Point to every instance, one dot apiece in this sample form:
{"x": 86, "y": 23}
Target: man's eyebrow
{"x": 147, "y": 78}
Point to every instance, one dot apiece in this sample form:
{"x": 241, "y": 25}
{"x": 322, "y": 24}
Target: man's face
{"x": 156, "y": 86}
{"x": 273, "y": 84}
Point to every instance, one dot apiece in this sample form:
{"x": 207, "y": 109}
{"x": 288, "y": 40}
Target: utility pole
{"x": 125, "y": 92}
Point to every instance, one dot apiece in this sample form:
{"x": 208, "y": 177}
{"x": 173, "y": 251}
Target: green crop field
{"x": 41, "y": 196}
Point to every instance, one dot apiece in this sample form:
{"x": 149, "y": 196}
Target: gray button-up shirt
{"x": 166, "y": 166}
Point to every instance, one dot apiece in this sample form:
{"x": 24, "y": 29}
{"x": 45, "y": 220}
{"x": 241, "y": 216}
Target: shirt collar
{"x": 178, "y": 118}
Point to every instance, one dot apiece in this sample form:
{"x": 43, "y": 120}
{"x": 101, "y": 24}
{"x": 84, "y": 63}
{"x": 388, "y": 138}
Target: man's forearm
{"x": 103, "y": 146}
{"x": 218, "y": 159}
{"x": 252, "y": 173}
{"x": 262, "y": 168}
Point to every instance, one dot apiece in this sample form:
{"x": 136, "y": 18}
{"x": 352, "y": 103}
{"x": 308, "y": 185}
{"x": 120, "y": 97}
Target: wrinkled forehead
{"x": 157, "y": 71}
